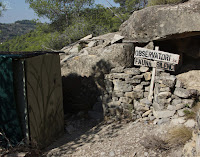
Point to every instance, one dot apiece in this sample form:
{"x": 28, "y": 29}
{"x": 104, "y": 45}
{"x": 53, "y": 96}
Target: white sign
{"x": 154, "y": 64}
{"x": 156, "y": 55}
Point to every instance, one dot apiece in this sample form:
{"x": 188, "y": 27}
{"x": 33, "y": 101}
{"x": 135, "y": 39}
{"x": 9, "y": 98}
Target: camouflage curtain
{"x": 9, "y": 122}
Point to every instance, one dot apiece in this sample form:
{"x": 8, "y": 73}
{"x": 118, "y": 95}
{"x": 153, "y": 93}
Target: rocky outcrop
{"x": 102, "y": 53}
{"x": 163, "y": 22}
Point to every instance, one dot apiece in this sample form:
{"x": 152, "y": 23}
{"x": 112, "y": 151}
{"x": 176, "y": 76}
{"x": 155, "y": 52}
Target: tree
{"x": 2, "y": 8}
{"x": 57, "y": 9}
{"x": 131, "y": 5}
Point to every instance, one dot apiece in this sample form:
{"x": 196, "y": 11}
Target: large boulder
{"x": 163, "y": 22}
{"x": 101, "y": 58}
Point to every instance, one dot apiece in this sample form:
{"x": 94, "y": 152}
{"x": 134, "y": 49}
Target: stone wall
{"x": 127, "y": 91}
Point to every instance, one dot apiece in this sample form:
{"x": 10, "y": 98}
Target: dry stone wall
{"x": 127, "y": 91}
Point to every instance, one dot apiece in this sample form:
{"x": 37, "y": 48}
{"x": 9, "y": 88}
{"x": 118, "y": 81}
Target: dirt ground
{"x": 86, "y": 138}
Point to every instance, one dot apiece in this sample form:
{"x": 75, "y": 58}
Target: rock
{"x": 177, "y": 121}
{"x": 181, "y": 113}
{"x": 163, "y": 114}
{"x": 190, "y": 123}
{"x": 144, "y": 69}
{"x": 147, "y": 76}
{"x": 176, "y": 101}
{"x": 92, "y": 44}
{"x": 163, "y": 120}
{"x": 165, "y": 89}
{"x": 125, "y": 100}
{"x": 121, "y": 86}
{"x": 70, "y": 50}
{"x": 87, "y": 37}
{"x": 140, "y": 28}
{"x": 146, "y": 113}
{"x": 145, "y": 83}
{"x": 133, "y": 71}
{"x": 179, "y": 84}
{"x": 188, "y": 102}
{"x": 158, "y": 107}
{"x": 171, "y": 107}
{"x": 117, "y": 70}
{"x": 117, "y": 38}
{"x": 135, "y": 94}
{"x": 190, "y": 79}
{"x": 121, "y": 76}
{"x": 179, "y": 106}
{"x": 145, "y": 101}
{"x": 133, "y": 80}
{"x": 112, "y": 153}
{"x": 182, "y": 93}
{"x": 99, "y": 60}
{"x": 114, "y": 104}
{"x": 165, "y": 95}
{"x": 117, "y": 94}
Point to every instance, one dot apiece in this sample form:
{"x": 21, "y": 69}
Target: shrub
{"x": 155, "y": 142}
{"x": 178, "y": 136}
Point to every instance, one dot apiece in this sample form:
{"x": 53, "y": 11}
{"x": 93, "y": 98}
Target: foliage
{"x": 9, "y": 31}
{"x": 57, "y": 9}
{"x": 2, "y": 8}
{"x": 161, "y": 2}
{"x": 131, "y": 5}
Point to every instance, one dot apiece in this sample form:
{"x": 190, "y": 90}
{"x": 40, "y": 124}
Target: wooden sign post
{"x": 156, "y": 59}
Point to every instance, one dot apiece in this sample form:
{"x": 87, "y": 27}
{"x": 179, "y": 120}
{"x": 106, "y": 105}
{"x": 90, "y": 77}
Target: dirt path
{"x": 109, "y": 140}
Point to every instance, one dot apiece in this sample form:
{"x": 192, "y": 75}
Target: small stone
{"x": 117, "y": 70}
{"x": 147, "y": 76}
{"x": 117, "y": 94}
{"x": 176, "y": 101}
{"x": 165, "y": 89}
{"x": 163, "y": 120}
{"x": 179, "y": 84}
{"x": 181, "y": 113}
{"x": 92, "y": 43}
{"x": 112, "y": 154}
{"x": 125, "y": 100}
{"x": 145, "y": 83}
{"x": 163, "y": 114}
{"x": 190, "y": 123}
{"x": 171, "y": 107}
{"x": 146, "y": 113}
{"x": 146, "y": 153}
{"x": 179, "y": 106}
{"x": 147, "y": 89}
{"x": 182, "y": 93}
{"x": 133, "y": 71}
{"x": 117, "y": 38}
{"x": 151, "y": 118}
{"x": 177, "y": 121}
{"x": 188, "y": 102}
{"x": 144, "y": 69}
{"x": 164, "y": 94}
{"x": 138, "y": 77}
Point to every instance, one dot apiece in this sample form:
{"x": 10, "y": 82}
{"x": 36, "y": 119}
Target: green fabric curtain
{"x": 9, "y": 122}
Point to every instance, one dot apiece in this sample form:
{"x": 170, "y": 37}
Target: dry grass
{"x": 189, "y": 114}
{"x": 175, "y": 137}
{"x": 178, "y": 136}
{"x": 155, "y": 142}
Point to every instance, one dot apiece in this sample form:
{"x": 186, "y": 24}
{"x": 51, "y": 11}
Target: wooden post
{"x": 150, "y": 97}
{"x": 198, "y": 134}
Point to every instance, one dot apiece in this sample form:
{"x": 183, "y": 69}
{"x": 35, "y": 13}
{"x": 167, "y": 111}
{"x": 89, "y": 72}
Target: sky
{"x": 19, "y": 10}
